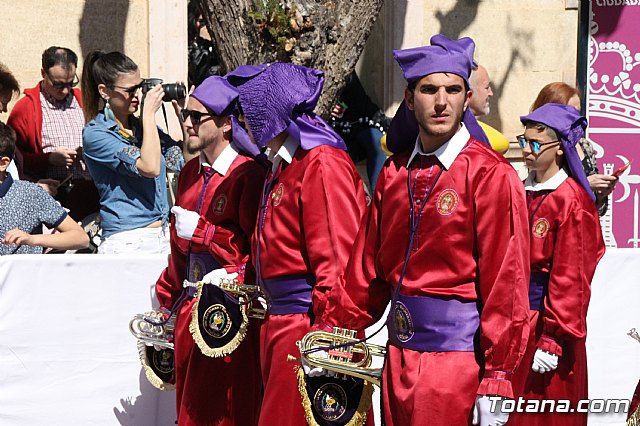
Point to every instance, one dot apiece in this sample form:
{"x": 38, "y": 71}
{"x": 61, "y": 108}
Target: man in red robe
{"x": 566, "y": 246}
{"x": 215, "y": 214}
{"x": 445, "y": 240}
{"x": 312, "y": 203}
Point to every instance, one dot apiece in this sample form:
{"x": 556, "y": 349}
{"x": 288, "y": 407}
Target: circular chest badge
{"x": 447, "y": 202}
{"x": 540, "y": 228}
{"x": 330, "y": 401}
{"x": 216, "y": 321}
{"x": 276, "y": 196}
{"x": 403, "y": 322}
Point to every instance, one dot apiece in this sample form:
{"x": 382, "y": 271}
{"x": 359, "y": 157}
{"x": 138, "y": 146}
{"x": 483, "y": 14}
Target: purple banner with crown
{"x": 613, "y": 110}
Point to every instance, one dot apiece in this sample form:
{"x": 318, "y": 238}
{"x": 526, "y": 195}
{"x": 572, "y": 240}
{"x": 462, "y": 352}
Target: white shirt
{"x": 286, "y": 153}
{"x": 223, "y": 162}
{"x": 551, "y": 184}
{"x": 448, "y": 152}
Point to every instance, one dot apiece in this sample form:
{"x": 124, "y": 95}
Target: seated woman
{"x": 127, "y": 156}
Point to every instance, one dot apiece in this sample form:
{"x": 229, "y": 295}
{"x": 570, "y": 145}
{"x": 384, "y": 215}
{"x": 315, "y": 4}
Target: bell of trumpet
{"x": 346, "y": 354}
{"x": 148, "y": 329}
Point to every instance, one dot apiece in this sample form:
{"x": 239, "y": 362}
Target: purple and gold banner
{"x": 613, "y": 110}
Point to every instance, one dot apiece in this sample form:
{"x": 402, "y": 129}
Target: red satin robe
{"x": 311, "y": 220}
{"x": 215, "y": 391}
{"x": 471, "y": 244}
{"x": 566, "y": 242}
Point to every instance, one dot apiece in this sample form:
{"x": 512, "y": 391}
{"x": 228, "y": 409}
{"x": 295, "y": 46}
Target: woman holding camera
{"x": 127, "y": 156}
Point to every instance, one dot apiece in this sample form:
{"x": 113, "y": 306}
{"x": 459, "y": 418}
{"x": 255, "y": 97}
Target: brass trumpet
{"x": 244, "y": 293}
{"x": 340, "y": 360}
{"x": 143, "y": 329}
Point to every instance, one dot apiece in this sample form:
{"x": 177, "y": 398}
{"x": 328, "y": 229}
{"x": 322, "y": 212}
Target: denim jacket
{"x": 128, "y": 200}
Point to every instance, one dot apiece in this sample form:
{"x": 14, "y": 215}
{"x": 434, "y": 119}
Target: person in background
{"x": 203, "y": 56}
{"x": 566, "y": 245}
{"x": 480, "y": 106}
{"x": 361, "y": 123}
{"x": 48, "y": 122}
{"x": 9, "y": 88}
{"x": 601, "y": 185}
{"x": 127, "y": 157}
{"x": 25, "y": 207}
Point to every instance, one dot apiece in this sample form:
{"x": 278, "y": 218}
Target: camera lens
{"x": 174, "y": 91}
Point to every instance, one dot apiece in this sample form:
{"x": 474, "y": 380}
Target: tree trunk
{"x": 322, "y": 34}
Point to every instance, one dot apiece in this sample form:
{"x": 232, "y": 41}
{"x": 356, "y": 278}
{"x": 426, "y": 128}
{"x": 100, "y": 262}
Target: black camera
{"x": 171, "y": 90}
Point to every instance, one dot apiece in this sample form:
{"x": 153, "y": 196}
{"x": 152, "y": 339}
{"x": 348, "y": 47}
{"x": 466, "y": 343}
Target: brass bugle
{"x": 151, "y": 334}
{"x": 246, "y": 292}
{"x": 340, "y": 360}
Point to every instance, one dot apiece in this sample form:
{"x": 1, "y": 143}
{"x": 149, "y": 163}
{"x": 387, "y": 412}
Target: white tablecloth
{"x": 67, "y": 358}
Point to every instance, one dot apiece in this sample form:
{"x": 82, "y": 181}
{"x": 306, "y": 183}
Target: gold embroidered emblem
{"x": 276, "y": 196}
{"x": 447, "y": 202}
{"x": 540, "y": 228}
{"x": 219, "y": 204}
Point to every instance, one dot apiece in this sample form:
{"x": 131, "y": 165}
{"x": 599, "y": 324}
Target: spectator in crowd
{"x": 25, "y": 207}
{"x": 480, "y": 105}
{"x": 203, "y": 56}
{"x": 128, "y": 157}
{"x": 9, "y": 88}
{"x": 566, "y": 246}
{"x": 601, "y": 185}
{"x": 361, "y": 123}
{"x": 48, "y": 122}
{"x": 214, "y": 217}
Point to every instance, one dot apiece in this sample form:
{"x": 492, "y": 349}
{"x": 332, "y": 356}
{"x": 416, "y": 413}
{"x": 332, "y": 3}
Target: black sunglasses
{"x": 130, "y": 90}
{"x": 196, "y": 116}
{"x": 65, "y": 85}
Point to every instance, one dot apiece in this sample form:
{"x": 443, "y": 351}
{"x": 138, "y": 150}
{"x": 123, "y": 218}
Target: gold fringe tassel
{"x": 225, "y": 350}
{"x": 634, "y": 420}
{"x": 155, "y": 381}
{"x": 358, "y": 419}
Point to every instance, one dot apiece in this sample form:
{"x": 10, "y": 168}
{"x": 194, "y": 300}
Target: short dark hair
{"x": 7, "y": 81}
{"x": 7, "y": 141}
{"x": 56, "y": 55}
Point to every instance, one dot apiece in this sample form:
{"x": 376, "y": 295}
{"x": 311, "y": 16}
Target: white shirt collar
{"x": 552, "y": 184}
{"x": 448, "y": 152}
{"x": 286, "y": 153}
{"x": 224, "y": 160}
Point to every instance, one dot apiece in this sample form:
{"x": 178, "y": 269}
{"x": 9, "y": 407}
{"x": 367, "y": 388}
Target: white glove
{"x": 543, "y": 362}
{"x": 487, "y": 411}
{"x": 186, "y": 222}
{"x": 315, "y": 371}
{"x": 216, "y": 275}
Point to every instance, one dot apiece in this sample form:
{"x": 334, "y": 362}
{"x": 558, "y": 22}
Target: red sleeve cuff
{"x": 547, "y": 344}
{"x": 496, "y": 384}
{"x": 204, "y": 232}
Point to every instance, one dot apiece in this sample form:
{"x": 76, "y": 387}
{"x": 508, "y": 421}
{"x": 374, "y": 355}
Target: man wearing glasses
{"x": 48, "y": 122}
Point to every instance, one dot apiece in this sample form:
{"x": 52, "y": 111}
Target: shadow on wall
{"x": 102, "y": 25}
{"x": 455, "y": 22}
{"x": 518, "y": 38}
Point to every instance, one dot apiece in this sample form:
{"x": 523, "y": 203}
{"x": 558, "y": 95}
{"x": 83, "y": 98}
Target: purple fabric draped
{"x": 217, "y": 95}
{"x": 281, "y": 96}
{"x": 403, "y": 131}
{"x": 570, "y": 127}
{"x": 241, "y": 138}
